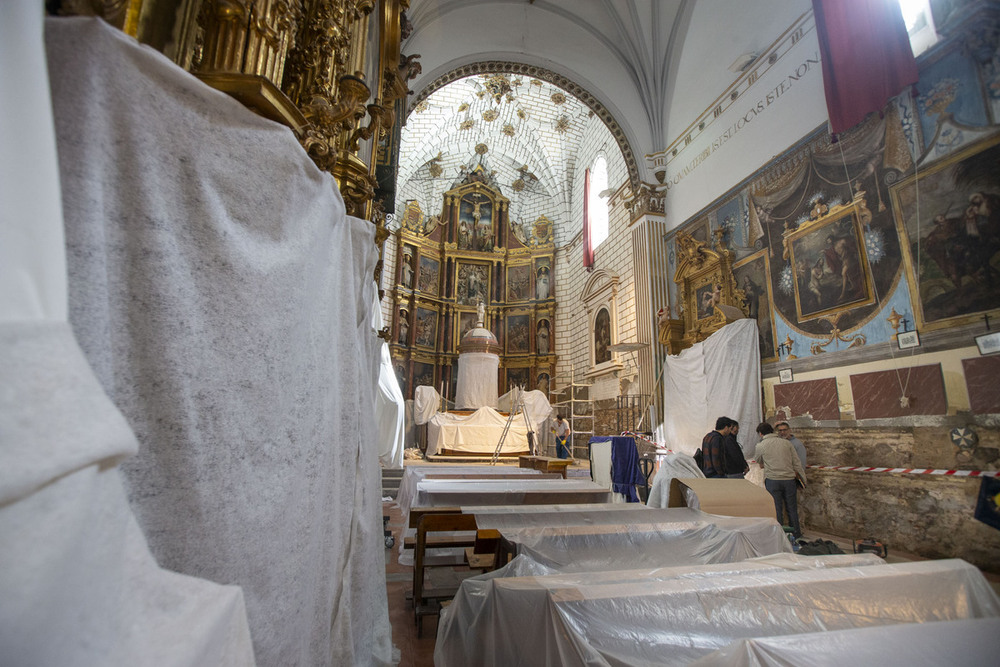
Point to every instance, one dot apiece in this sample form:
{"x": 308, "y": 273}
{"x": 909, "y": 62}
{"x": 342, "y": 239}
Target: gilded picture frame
{"x": 426, "y": 327}
{"x": 472, "y": 283}
{"x": 830, "y": 267}
{"x": 956, "y": 279}
{"x": 752, "y": 277}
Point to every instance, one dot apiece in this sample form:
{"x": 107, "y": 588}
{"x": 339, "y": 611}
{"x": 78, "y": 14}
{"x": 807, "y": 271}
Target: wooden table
{"x": 544, "y": 463}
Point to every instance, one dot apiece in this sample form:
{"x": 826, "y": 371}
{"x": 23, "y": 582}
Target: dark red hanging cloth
{"x": 866, "y": 55}
{"x": 588, "y": 252}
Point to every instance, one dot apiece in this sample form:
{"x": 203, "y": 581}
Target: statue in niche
{"x": 542, "y": 283}
{"x": 407, "y": 269}
{"x": 480, "y": 314}
{"x": 542, "y": 337}
{"x": 464, "y": 235}
{"x": 543, "y": 383}
{"x": 404, "y": 326}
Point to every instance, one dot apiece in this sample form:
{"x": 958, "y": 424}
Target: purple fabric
{"x": 625, "y": 473}
{"x": 866, "y": 57}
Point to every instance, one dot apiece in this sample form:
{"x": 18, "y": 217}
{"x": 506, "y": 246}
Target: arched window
{"x": 597, "y": 204}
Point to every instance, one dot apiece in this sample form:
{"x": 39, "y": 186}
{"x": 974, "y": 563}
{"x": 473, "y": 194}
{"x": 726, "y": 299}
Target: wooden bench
{"x": 547, "y": 464}
{"x": 425, "y": 602}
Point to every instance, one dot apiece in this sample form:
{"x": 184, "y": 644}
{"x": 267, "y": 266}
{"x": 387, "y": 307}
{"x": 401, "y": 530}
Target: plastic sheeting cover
{"x": 670, "y": 466}
{"x": 477, "y": 380}
{"x": 426, "y": 403}
{"x": 673, "y": 618}
{"x": 967, "y": 643}
{"x": 595, "y": 541}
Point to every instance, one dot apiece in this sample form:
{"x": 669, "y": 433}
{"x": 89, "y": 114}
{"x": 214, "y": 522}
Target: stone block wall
{"x": 927, "y": 515}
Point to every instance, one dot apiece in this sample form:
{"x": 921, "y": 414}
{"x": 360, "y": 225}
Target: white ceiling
{"x": 616, "y": 50}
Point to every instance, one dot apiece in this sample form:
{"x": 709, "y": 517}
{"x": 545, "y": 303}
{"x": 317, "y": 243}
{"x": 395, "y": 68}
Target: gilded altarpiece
{"x": 447, "y": 263}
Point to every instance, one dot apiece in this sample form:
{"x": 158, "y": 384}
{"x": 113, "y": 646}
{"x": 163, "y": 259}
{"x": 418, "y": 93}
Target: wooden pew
{"x": 425, "y": 603}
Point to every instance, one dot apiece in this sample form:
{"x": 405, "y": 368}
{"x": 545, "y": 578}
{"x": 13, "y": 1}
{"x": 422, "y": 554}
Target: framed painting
{"x": 423, "y": 374}
{"x": 602, "y": 337}
{"x": 426, "y": 328}
{"x": 475, "y": 223}
{"x": 517, "y": 377}
{"x": 730, "y": 219}
{"x": 428, "y": 277}
{"x": 751, "y": 276}
{"x": 829, "y": 264}
{"x": 700, "y": 231}
{"x": 472, "y": 283}
{"x": 948, "y": 221}
{"x": 518, "y": 333}
{"x": 466, "y": 322}
{"x": 518, "y": 282}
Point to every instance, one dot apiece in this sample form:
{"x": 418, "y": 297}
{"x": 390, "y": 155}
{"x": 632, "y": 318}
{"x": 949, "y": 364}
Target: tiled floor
{"x": 414, "y": 651}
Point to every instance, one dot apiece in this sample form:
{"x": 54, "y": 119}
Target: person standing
{"x": 562, "y": 431}
{"x": 782, "y": 468}
{"x": 786, "y": 432}
{"x": 735, "y": 462}
{"x": 713, "y": 449}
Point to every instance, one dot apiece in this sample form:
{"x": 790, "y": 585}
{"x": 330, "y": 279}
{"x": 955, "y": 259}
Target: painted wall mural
{"x": 949, "y": 218}
{"x": 894, "y": 227}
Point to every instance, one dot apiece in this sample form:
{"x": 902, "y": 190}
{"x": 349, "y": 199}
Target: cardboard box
{"x": 725, "y": 497}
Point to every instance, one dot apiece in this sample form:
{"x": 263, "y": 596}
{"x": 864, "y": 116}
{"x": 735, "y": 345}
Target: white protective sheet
{"x": 390, "y": 408}
{"x": 670, "y": 466}
{"x": 685, "y": 613}
{"x": 427, "y": 402}
{"x": 536, "y": 404}
{"x": 720, "y": 376}
{"x": 477, "y": 380}
{"x": 968, "y": 643}
{"x": 596, "y": 541}
{"x": 78, "y": 585}
{"x": 202, "y": 291}
{"x": 455, "y": 492}
{"x": 477, "y": 433}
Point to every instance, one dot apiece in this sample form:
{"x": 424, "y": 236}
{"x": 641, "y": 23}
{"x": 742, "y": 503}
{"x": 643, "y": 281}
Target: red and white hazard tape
{"x": 912, "y": 471}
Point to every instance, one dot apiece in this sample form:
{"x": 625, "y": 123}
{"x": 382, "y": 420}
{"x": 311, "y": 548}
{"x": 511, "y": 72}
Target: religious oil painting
{"x": 428, "y": 280}
{"x": 730, "y": 220}
{"x": 472, "y": 283}
{"x": 519, "y": 282}
{"x": 517, "y": 377}
{"x": 705, "y": 298}
{"x": 466, "y": 323}
{"x": 830, "y": 268}
{"x": 518, "y": 334}
{"x": 699, "y": 231}
{"x": 602, "y": 337}
{"x": 423, "y": 374}
{"x": 951, "y": 236}
{"x": 426, "y": 327}
{"x": 751, "y": 275}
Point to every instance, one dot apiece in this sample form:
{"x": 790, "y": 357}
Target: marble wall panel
{"x": 877, "y": 395}
{"x": 982, "y": 379}
{"x": 817, "y": 398}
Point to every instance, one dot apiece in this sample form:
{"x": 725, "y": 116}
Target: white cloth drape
{"x": 427, "y": 402}
{"x": 390, "y": 408}
{"x": 477, "y": 380}
{"x": 718, "y": 377}
{"x": 223, "y": 299}
{"x": 536, "y": 404}
{"x": 78, "y": 585}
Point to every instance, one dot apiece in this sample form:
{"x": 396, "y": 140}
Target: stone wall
{"x": 926, "y": 515}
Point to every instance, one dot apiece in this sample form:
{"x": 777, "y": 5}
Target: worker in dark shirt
{"x": 735, "y": 463}
{"x": 713, "y": 448}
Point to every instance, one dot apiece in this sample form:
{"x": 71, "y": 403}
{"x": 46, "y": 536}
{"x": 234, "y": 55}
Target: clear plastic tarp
{"x": 677, "y": 615}
{"x": 968, "y": 643}
{"x": 536, "y": 404}
{"x": 449, "y": 492}
{"x": 595, "y": 541}
{"x": 413, "y": 474}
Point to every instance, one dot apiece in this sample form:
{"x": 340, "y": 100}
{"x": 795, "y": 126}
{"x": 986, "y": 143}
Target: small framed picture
{"x": 908, "y": 339}
{"x": 785, "y": 375}
{"x": 988, "y": 343}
